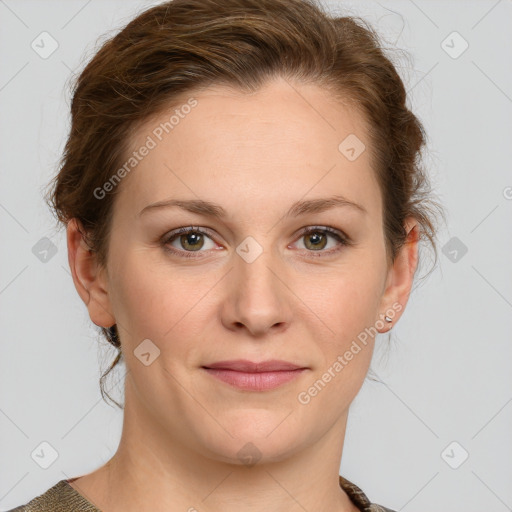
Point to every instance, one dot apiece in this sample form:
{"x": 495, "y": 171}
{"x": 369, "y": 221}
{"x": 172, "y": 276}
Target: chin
{"x": 256, "y": 442}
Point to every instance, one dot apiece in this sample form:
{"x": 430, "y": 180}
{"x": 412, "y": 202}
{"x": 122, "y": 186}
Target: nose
{"x": 258, "y": 299}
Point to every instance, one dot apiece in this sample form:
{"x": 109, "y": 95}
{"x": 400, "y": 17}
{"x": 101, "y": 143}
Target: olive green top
{"x": 64, "y": 498}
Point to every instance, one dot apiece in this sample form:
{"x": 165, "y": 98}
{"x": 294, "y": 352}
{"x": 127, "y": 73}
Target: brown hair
{"x": 186, "y": 45}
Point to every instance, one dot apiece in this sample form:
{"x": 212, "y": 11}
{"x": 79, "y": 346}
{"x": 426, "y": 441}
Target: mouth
{"x": 251, "y": 376}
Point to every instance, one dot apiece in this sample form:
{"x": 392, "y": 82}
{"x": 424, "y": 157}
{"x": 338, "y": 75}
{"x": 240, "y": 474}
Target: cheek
{"x": 346, "y": 299}
{"x": 141, "y": 295}
{"x": 348, "y": 306}
{"x": 150, "y": 298}
{"x": 153, "y": 300}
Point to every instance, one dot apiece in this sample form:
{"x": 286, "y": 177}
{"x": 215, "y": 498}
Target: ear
{"x": 90, "y": 279}
{"x": 400, "y": 277}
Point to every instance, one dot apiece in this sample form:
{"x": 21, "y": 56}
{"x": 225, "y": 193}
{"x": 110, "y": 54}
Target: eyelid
{"x": 343, "y": 239}
{"x": 186, "y": 229}
{"x": 166, "y": 239}
{"x": 326, "y": 229}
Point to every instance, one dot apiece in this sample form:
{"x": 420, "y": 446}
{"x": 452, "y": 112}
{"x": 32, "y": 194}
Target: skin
{"x": 183, "y": 428}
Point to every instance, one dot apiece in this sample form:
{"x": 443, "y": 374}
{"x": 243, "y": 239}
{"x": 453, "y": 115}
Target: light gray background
{"x": 447, "y": 376}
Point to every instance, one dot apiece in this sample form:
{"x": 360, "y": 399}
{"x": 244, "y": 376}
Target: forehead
{"x": 281, "y": 141}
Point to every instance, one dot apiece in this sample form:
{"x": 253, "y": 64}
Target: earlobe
{"x": 89, "y": 278}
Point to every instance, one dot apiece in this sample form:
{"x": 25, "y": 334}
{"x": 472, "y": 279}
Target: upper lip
{"x": 243, "y": 365}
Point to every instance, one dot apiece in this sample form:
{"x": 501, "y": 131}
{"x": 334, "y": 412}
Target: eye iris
{"x": 315, "y": 238}
{"x": 189, "y": 239}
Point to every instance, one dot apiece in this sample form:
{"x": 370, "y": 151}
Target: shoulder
{"x": 59, "y": 498}
{"x": 359, "y": 498}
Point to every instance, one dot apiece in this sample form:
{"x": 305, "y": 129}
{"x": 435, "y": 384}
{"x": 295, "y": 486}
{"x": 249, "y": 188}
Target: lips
{"x": 243, "y": 365}
{"x": 251, "y": 376}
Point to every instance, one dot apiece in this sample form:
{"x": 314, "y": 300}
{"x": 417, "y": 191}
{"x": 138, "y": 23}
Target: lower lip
{"x": 254, "y": 381}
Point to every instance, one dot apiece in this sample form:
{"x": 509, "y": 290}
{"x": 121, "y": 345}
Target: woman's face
{"x": 252, "y": 286}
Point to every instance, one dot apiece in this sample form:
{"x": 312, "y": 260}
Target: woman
{"x": 244, "y": 207}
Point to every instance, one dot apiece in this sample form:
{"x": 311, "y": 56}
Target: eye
{"x": 188, "y": 240}
{"x": 316, "y": 239}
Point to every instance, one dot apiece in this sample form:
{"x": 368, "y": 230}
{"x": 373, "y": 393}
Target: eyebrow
{"x": 214, "y": 210}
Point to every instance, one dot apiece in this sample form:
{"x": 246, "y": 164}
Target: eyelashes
{"x": 183, "y": 234}
{"x": 326, "y": 232}
{"x": 194, "y": 236}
